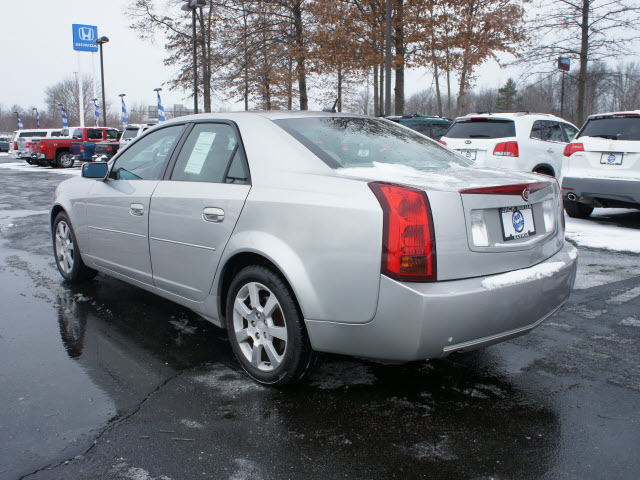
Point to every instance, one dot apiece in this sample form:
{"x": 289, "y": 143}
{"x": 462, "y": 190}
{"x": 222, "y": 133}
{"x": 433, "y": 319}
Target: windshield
{"x": 482, "y": 128}
{"x": 612, "y": 128}
{"x": 343, "y": 142}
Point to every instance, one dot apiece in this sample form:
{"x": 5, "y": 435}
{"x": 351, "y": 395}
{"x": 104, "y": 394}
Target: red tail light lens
{"x": 15, "y": 145}
{"x": 109, "y": 148}
{"x": 507, "y": 149}
{"x": 81, "y": 148}
{"x": 443, "y": 142}
{"x": 27, "y": 145}
{"x": 572, "y": 148}
{"x": 408, "y": 239}
{"x": 42, "y": 147}
{"x": 516, "y": 189}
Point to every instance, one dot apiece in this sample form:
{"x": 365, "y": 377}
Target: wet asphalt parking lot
{"x": 107, "y": 381}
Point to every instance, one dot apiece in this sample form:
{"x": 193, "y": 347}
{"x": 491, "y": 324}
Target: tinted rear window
{"x": 32, "y": 134}
{"x": 56, "y": 133}
{"x": 612, "y": 128}
{"x": 343, "y": 142}
{"x": 129, "y": 133}
{"x": 481, "y": 128}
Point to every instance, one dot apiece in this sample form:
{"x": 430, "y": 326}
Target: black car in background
{"x": 4, "y": 144}
{"x": 431, "y": 126}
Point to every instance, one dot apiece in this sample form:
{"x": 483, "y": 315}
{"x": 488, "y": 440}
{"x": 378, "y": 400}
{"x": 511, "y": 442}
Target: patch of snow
{"x": 183, "y": 326}
{"x": 525, "y": 275}
{"x": 81, "y": 298}
{"x": 428, "y": 450}
{"x": 26, "y": 168}
{"x": 631, "y": 322}
{"x": 123, "y": 470}
{"x": 452, "y": 179}
{"x": 227, "y": 381}
{"x": 625, "y": 296}
{"x": 587, "y": 233}
{"x": 246, "y": 470}
{"x": 191, "y": 423}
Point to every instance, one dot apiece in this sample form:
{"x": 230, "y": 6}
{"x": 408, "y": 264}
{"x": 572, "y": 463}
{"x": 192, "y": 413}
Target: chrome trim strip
{"x": 117, "y": 231}
{"x": 183, "y": 243}
{"x": 490, "y": 338}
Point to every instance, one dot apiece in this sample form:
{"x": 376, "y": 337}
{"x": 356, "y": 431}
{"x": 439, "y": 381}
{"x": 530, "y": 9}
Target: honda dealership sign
{"x": 83, "y": 37}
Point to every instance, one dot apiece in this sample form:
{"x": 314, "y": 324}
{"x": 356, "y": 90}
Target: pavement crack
{"x": 117, "y": 420}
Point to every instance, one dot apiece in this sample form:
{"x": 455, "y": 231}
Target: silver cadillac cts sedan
{"x": 319, "y": 232}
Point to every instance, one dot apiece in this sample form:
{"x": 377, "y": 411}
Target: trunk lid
{"x": 607, "y": 158}
{"x": 481, "y": 227}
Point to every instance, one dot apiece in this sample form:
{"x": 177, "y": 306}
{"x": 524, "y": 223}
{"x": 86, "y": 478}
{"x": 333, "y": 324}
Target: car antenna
{"x": 332, "y": 109}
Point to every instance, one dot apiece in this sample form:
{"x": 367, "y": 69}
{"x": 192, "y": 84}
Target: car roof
{"x": 514, "y": 116}
{"x": 616, "y": 114}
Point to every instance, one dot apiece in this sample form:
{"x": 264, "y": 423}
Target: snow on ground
{"x": 595, "y": 233}
{"x": 22, "y": 166}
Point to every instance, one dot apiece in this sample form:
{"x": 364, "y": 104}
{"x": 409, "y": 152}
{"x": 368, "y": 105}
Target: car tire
{"x": 272, "y": 346}
{"x": 64, "y": 160}
{"x": 67, "y": 253}
{"x": 577, "y": 209}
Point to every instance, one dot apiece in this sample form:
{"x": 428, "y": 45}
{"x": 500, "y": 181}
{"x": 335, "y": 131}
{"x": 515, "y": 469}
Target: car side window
{"x": 553, "y": 132}
{"x": 570, "y": 131}
{"x": 536, "y": 130}
{"x": 77, "y": 133}
{"x": 94, "y": 134}
{"x": 439, "y": 129}
{"x": 145, "y": 159}
{"x": 112, "y": 134}
{"x": 209, "y": 155}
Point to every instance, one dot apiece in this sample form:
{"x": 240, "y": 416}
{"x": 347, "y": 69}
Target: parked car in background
{"x": 431, "y": 126}
{"x": 84, "y": 141}
{"x": 105, "y": 150}
{"x": 23, "y": 141}
{"x": 522, "y": 141}
{"x": 56, "y": 152}
{"x": 602, "y": 165}
{"x": 305, "y": 231}
{"x": 4, "y": 144}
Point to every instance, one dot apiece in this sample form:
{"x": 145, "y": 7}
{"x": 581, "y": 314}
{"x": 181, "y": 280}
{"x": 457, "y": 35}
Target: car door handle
{"x": 136, "y": 209}
{"x": 213, "y": 214}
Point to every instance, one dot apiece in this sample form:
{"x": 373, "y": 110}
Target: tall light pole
{"x": 191, "y": 5}
{"x": 387, "y": 64}
{"x": 101, "y": 41}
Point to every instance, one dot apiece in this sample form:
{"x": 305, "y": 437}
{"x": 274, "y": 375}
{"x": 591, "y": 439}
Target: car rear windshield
{"x": 482, "y": 128}
{"x": 343, "y": 142}
{"x": 612, "y": 128}
{"x": 129, "y": 133}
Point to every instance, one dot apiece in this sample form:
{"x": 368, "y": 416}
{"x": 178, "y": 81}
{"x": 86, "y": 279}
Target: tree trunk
{"x": 339, "y": 88}
{"x": 381, "y": 93}
{"x": 584, "y": 58}
{"x": 400, "y": 54}
{"x": 300, "y": 57}
{"x": 436, "y": 75}
{"x": 463, "y": 86}
{"x": 376, "y": 110}
{"x": 205, "y": 58}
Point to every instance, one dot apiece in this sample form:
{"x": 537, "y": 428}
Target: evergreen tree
{"x": 506, "y": 100}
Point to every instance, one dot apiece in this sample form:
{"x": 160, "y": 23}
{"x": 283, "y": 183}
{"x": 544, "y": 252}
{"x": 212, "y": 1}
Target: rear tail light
{"x": 82, "y": 148}
{"x": 109, "y": 148}
{"x": 27, "y": 145}
{"x": 408, "y": 239}
{"x": 443, "y": 142}
{"x": 572, "y": 148}
{"x": 42, "y": 147}
{"x": 507, "y": 149}
{"x": 15, "y": 145}
{"x": 517, "y": 189}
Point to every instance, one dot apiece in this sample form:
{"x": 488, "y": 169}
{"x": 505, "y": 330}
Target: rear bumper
{"x": 416, "y": 321}
{"x": 626, "y": 191}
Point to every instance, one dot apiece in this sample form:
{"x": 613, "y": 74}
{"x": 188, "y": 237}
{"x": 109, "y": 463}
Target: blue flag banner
{"x": 161, "y": 117}
{"x": 96, "y": 112}
{"x": 125, "y": 117}
{"x": 20, "y": 126}
{"x": 65, "y": 124}
{"x": 38, "y": 118}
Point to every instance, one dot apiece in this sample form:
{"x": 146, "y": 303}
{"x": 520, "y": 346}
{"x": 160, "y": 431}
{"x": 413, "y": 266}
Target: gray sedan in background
{"x": 318, "y": 232}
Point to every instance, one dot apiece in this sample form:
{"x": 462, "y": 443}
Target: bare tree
{"x": 586, "y": 30}
{"x": 66, "y": 93}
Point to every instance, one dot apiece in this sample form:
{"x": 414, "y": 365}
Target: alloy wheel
{"x": 64, "y": 247}
{"x": 260, "y": 326}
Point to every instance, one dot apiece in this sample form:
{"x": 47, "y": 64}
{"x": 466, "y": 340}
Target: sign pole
{"x": 562, "y": 97}
{"x": 80, "y": 93}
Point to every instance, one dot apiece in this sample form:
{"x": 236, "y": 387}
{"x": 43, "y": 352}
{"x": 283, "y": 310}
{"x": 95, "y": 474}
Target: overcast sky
{"x": 37, "y": 52}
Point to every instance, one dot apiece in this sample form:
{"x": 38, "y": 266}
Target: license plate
{"x": 611, "y": 158}
{"x": 468, "y": 154}
{"x": 517, "y": 222}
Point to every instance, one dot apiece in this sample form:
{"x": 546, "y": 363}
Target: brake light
{"x": 571, "y": 148}
{"x": 15, "y": 145}
{"x": 27, "y": 145}
{"x": 507, "y": 149}
{"x": 443, "y": 142}
{"x": 82, "y": 148}
{"x": 42, "y": 146}
{"x": 408, "y": 238}
{"x": 109, "y": 148}
{"x": 516, "y": 189}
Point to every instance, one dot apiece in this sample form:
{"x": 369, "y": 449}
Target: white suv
{"x": 601, "y": 166}
{"x": 527, "y": 142}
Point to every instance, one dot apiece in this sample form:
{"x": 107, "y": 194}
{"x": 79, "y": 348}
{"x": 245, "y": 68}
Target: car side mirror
{"x": 98, "y": 170}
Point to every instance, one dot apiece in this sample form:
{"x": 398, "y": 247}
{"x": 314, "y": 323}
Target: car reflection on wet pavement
{"x": 108, "y": 381}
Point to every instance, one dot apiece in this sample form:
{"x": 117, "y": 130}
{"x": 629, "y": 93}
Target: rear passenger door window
{"x": 553, "y": 132}
{"x": 570, "y": 131}
{"x": 212, "y": 153}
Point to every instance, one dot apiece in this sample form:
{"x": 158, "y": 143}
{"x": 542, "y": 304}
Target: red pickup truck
{"x": 56, "y": 152}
